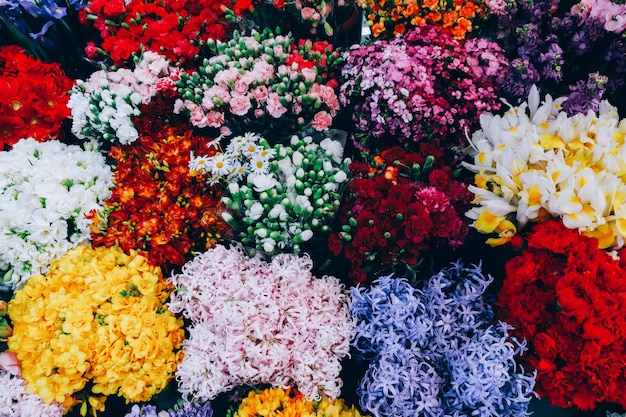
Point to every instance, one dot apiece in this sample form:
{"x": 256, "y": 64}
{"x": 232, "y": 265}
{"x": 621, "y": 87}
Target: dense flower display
{"x": 34, "y": 98}
{"x": 46, "y": 189}
{"x": 566, "y": 297}
{"x": 158, "y": 206}
{"x": 179, "y": 30}
{"x": 281, "y": 197}
{"x": 574, "y": 49}
{"x": 263, "y": 82}
{"x": 95, "y": 325}
{"x": 535, "y": 162}
{"x": 389, "y": 18}
{"x": 255, "y": 322}
{"x": 105, "y": 105}
{"x": 423, "y": 86}
{"x": 246, "y": 208}
{"x": 398, "y": 209}
{"x": 436, "y": 351}
{"x": 281, "y": 402}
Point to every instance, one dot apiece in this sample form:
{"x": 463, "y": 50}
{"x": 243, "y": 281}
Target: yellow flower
{"x": 98, "y": 316}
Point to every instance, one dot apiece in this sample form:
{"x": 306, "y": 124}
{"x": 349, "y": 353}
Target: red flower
{"x": 568, "y": 299}
{"x": 34, "y": 99}
{"x": 157, "y": 205}
{"x": 391, "y": 217}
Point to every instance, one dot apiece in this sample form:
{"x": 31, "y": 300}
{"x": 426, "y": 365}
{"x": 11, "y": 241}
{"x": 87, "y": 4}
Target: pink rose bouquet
{"x": 263, "y": 83}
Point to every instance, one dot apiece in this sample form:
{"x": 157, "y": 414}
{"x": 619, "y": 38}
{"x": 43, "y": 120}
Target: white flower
{"x": 198, "y": 163}
{"x": 51, "y": 186}
{"x": 259, "y": 165}
{"x": 219, "y": 165}
{"x": 255, "y": 211}
{"x": 340, "y": 177}
{"x": 262, "y": 182}
{"x": 334, "y": 148}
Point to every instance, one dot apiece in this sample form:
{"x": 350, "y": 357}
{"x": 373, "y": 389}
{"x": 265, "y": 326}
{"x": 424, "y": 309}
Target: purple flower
{"x": 436, "y": 351}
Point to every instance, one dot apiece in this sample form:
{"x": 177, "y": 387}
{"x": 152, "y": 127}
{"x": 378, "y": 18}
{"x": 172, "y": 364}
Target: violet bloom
{"x": 436, "y": 351}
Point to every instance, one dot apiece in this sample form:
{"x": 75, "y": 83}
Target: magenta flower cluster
{"x": 254, "y": 322}
{"x": 424, "y": 86}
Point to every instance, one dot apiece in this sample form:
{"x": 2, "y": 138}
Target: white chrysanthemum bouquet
{"x": 535, "y": 162}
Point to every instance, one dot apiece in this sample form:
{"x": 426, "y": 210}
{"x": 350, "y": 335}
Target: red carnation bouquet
{"x": 567, "y": 298}
{"x": 158, "y": 205}
{"x": 34, "y": 98}
{"x": 399, "y": 206}
{"x": 176, "y": 29}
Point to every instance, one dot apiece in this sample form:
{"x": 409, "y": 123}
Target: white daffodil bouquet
{"x": 279, "y": 196}
{"x": 535, "y": 162}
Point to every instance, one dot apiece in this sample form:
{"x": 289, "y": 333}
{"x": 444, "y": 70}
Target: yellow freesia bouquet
{"x": 95, "y": 325}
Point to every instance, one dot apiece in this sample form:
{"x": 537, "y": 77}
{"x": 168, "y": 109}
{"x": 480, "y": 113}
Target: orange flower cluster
{"x": 158, "y": 206}
{"x": 388, "y": 18}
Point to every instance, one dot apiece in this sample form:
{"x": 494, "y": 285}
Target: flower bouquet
{"x": 279, "y": 198}
{"x": 95, "y": 325}
{"x": 398, "y": 208}
{"x": 264, "y": 83}
{"x": 567, "y": 48}
{"x": 423, "y": 86}
{"x": 289, "y": 402}
{"x": 567, "y": 298}
{"x": 105, "y": 105}
{"x": 34, "y": 98}
{"x": 535, "y": 162}
{"x": 387, "y": 19}
{"x": 157, "y": 205}
{"x": 46, "y": 190}
{"x": 178, "y": 30}
{"x": 254, "y": 322}
{"x": 436, "y": 351}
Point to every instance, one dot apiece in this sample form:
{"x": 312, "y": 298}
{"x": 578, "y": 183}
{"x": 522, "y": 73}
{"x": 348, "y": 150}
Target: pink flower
{"x": 9, "y": 362}
{"x": 274, "y": 107}
{"x": 264, "y": 70}
{"x": 307, "y": 13}
{"x": 309, "y": 74}
{"x": 240, "y": 104}
{"x": 197, "y": 116}
{"x": 260, "y": 93}
{"x": 322, "y": 120}
{"x": 241, "y": 87}
{"x": 214, "y": 118}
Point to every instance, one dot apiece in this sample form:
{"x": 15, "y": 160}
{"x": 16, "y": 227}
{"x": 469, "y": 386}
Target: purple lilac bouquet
{"x": 423, "y": 86}
{"x": 181, "y": 409}
{"x": 436, "y": 351}
{"x": 573, "y": 49}
{"x": 254, "y": 322}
